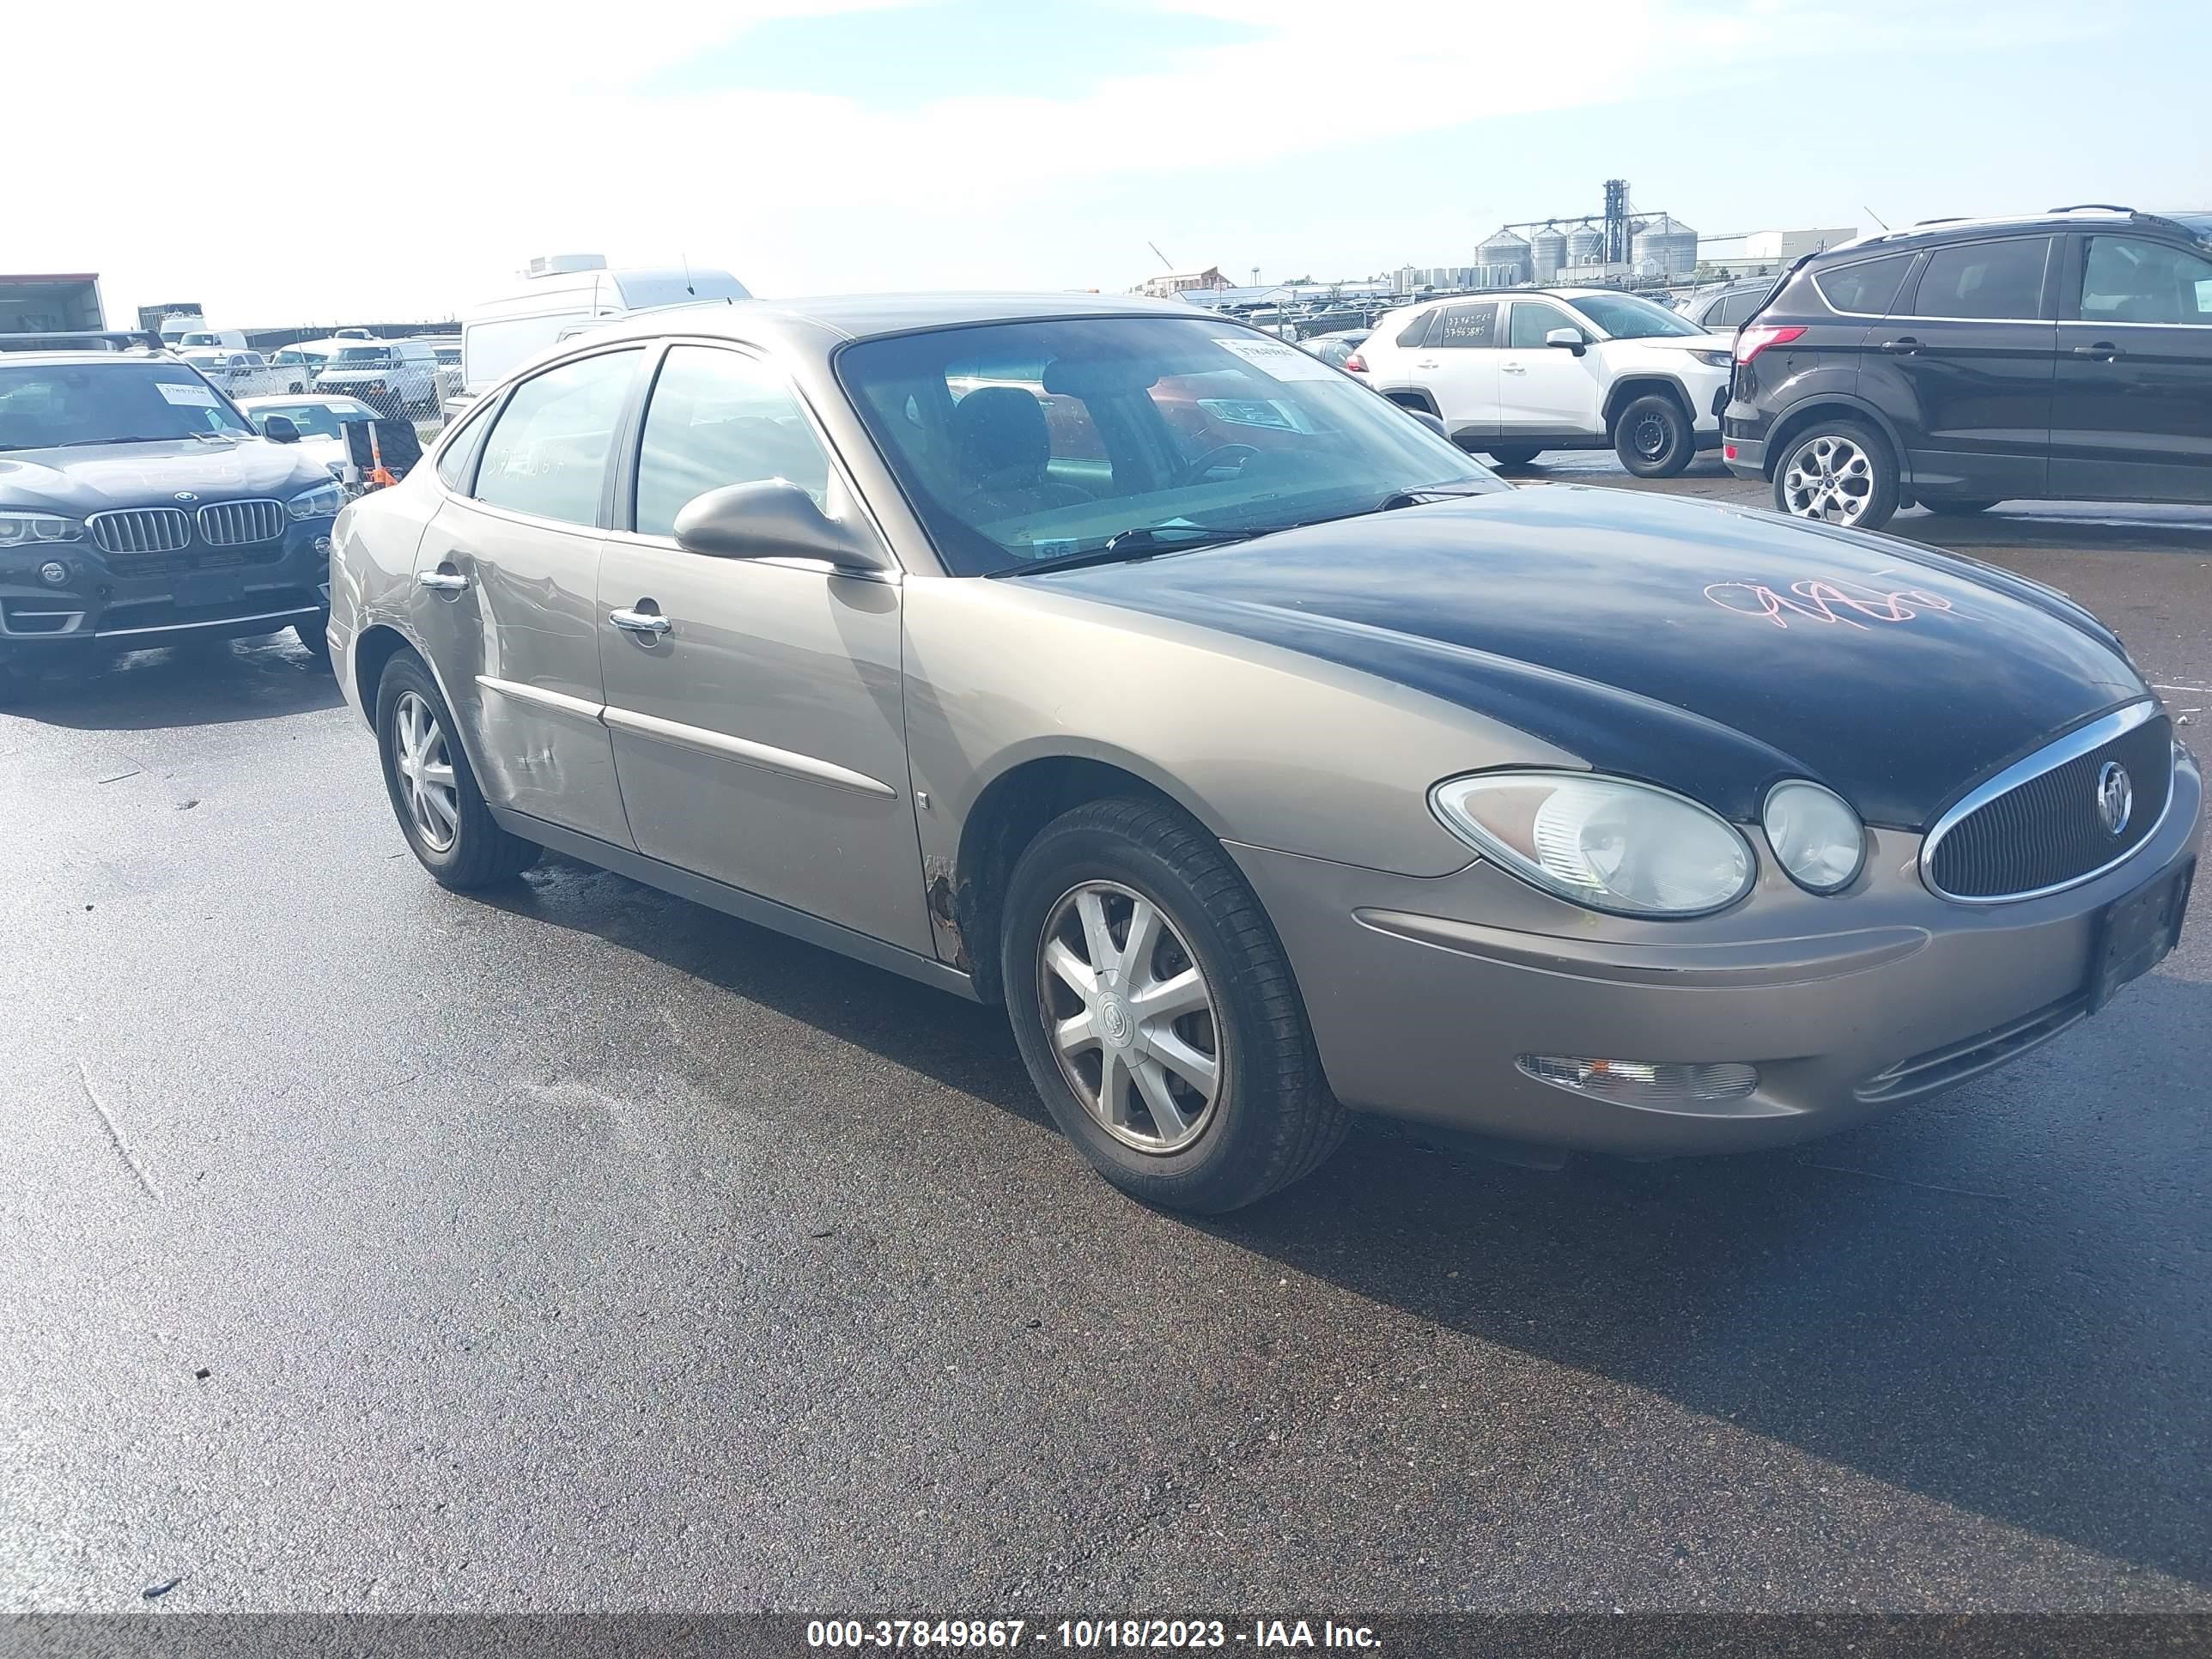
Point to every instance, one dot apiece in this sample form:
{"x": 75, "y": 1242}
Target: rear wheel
{"x": 1156, "y": 1010}
{"x": 1654, "y": 438}
{"x": 1958, "y": 509}
{"x": 1513, "y": 454}
{"x": 433, "y": 792}
{"x": 1839, "y": 472}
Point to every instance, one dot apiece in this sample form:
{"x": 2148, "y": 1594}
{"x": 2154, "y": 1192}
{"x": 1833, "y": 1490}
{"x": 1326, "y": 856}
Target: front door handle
{"x": 2103, "y": 350}
{"x": 639, "y": 622}
{"x": 1426, "y": 362}
{"x": 1907, "y": 346}
{"x": 1513, "y": 368}
{"x": 443, "y": 580}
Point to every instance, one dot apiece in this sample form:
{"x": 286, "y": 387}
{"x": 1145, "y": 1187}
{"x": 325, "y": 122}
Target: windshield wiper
{"x": 1145, "y": 542}
{"x": 82, "y": 443}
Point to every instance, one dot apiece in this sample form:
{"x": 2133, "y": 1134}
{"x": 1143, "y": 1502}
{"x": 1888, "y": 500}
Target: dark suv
{"x": 1965, "y": 362}
{"x": 138, "y": 507}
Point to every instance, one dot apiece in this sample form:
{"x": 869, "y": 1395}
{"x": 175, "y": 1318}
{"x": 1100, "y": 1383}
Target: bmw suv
{"x": 1968, "y": 361}
{"x": 138, "y": 507}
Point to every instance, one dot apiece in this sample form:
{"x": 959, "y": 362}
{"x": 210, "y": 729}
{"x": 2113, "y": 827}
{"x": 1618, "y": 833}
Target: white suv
{"x": 1516, "y": 373}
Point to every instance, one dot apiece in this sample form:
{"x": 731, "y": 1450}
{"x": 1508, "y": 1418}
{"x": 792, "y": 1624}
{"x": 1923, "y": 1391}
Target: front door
{"x": 506, "y": 595}
{"x": 1457, "y": 364}
{"x": 1546, "y": 391}
{"x": 1975, "y": 345}
{"x": 756, "y": 706}
{"x": 2132, "y": 417}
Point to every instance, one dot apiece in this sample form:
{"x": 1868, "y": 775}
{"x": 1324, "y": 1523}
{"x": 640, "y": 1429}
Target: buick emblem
{"x": 186, "y": 496}
{"x": 2115, "y": 796}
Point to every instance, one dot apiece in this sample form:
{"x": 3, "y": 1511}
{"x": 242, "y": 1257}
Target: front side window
{"x": 1474, "y": 326}
{"x": 719, "y": 418}
{"x": 1019, "y": 442}
{"x": 2128, "y": 280}
{"x": 547, "y": 455}
{"x": 54, "y": 406}
{"x": 1624, "y": 317}
{"x": 1985, "y": 280}
{"x": 1533, "y": 320}
{"x": 1868, "y": 288}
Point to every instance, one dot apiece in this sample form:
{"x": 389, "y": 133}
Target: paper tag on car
{"x": 1279, "y": 361}
{"x": 197, "y": 397}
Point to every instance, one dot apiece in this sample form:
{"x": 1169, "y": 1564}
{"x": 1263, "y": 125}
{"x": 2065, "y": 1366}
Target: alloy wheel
{"x": 426, "y": 772}
{"x": 1130, "y": 1016}
{"x": 1830, "y": 478}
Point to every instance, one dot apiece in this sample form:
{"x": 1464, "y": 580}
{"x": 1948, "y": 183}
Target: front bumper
{"x": 1423, "y": 994}
{"x": 111, "y": 603}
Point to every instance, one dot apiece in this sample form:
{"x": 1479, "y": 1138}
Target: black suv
{"x": 138, "y": 507}
{"x": 1965, "y": 362}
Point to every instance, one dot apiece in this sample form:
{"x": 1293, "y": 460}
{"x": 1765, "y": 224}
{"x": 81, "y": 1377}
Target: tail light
{"x": 1752, "y": 340}
{"x": 1355, "y": 364}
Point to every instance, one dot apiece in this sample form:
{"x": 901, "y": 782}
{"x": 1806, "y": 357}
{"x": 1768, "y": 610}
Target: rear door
{"x": 1457, "y": 364}
{"x": 507, "y": 594}
{"x": 756, "y": 705}
{"x": 1546, "y": 391}
{"x": 1973, "y": 345}
{"x": 2132, "y": 417}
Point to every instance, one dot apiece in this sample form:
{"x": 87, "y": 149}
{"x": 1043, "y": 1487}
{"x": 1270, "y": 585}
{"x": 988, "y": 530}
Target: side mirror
{"x": 774, "y": 520}
{"x": 1429, "y": 421}
{"x": 1570, "y": 338}
{"x": 279, "y": 429}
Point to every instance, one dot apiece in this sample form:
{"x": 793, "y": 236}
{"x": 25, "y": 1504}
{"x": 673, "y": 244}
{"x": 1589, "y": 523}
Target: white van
{"x": 218, "y": 339}
{"x": 567, "y": 294}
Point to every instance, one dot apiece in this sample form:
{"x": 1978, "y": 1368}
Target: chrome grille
{"x": 237, "y": 523}
{"x": 2036, "y": 826}
{"x": 141, "y": 530}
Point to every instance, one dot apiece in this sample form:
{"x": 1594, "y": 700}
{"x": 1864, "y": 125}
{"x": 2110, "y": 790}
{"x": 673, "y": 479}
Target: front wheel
{"x": 1840, "y": 472}
{"x": 433, "y": 791}
{"x": 315, "y": 637}
{"x": 1654, "y": 437}
{"x": 1157, "y": 1014}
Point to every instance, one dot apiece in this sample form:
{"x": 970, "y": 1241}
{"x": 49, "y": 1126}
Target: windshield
{"x": 292, "y": 355}
{"x": 313, "y": 419}
{"x": 1624, "y": 317}
{"x": 46, "y": 405}
{"x": 1025, "y": 441}
{"x": 365, "y": 354}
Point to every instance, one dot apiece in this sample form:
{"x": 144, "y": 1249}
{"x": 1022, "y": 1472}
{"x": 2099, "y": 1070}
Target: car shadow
{"x": 1996, "y": 1299}
{"x": 213, "y": 683}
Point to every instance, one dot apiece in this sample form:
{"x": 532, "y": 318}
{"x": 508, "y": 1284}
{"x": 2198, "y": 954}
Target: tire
{"x": 476, "y": 853}
{"x": 1654, "y": 437}
{"x": 1513, "y": 454}
{"x": 19, "y": 685}
{"x": 1958, "y": 509}
{"x": 316, "y": 638}
{"x": 1839, "y": 472}
{"x": 1270, "y": 1118}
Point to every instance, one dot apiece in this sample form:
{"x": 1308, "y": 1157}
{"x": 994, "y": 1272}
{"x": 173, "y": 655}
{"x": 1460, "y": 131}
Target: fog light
{"x": 1641, "y": 1083}
{"x": 54, "y": 573}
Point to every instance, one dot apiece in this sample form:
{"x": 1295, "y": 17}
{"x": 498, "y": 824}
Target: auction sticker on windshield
{"x": 199, "y": 397}
{"x": 1283, "y": 362}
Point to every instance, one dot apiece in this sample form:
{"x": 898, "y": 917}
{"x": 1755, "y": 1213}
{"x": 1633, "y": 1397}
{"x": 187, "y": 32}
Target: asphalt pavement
{"x": 368, "y": 1247}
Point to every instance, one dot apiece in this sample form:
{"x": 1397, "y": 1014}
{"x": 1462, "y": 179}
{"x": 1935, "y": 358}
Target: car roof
{"x": 863, "y": 316}
{"x": 1929, "y": 231}
{"x": 264, "y": 399}
{"x": 52, "y": 358}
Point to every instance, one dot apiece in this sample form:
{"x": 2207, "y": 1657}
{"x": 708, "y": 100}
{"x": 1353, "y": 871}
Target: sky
{"x": 292, "y": 164}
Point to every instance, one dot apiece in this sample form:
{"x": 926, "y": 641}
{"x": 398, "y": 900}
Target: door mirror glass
{"x": 771, "y": 519}
{"x": 279, "y": 429}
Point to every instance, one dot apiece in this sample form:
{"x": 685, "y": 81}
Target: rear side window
{"x": 1731, "y": 311}
{"x": 1984, "y": 280}
{"x": 547, "y": 454}
{"x": 718, "y": 417}
{"x": 1867, "y": 288}
{"x": 1467, "y": 325}
{"x": 1417, "y": 330}
{"x": 2126, "y": 279}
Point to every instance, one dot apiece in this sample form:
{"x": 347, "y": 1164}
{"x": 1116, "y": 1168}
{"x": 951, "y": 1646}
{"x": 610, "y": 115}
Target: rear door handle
{"x": 1907, "y": 346}
{"x": 1426, "y": 362}
{"x": 442, "y": 581}
{"x": 2105, "y": 351}
{"x": 1513, "y": 368}
{"x": 639, "y": 622}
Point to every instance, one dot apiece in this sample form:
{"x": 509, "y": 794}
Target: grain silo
{"x": 1548, "y": 251}
{"x": 1670, "y": 245}
{"x": 1586, "y": 245}
{"x": 1507, "y": 256}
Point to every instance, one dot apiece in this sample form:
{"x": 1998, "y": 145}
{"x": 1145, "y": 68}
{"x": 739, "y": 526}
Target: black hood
{"x": 98, "y": 477}
{"x": 1705, "y": 647}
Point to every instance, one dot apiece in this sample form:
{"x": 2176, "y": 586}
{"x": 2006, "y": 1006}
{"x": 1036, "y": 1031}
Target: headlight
{"x": 21, "y": 527}
{"x": 1816, "y": 836}
{"x": 1714, "y": 359}
{"x": 1603, "y": 842}
{"x": 320, "y": 503}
